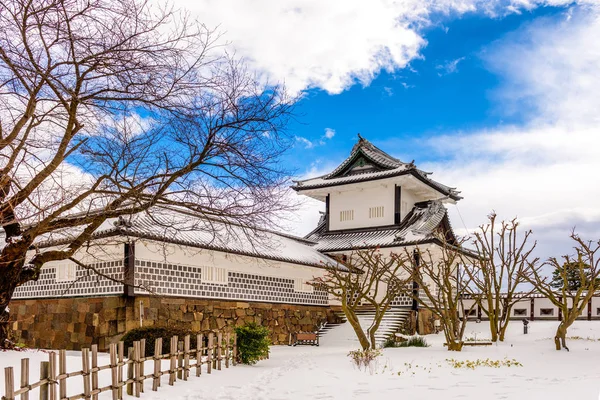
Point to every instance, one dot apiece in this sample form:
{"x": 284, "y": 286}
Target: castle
{"x": 177, "y": 268}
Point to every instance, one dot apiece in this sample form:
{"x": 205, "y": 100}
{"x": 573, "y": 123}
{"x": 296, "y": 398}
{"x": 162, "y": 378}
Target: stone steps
{"x": 393, "y": 319}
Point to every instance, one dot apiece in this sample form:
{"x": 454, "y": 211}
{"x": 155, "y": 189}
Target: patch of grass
{"x": 366, "y": 359}
{"x": 470, "y": 364}
{"x": 589, "y": 339}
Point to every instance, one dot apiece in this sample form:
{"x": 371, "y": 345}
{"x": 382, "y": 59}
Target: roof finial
{"x": 360, "y": 138}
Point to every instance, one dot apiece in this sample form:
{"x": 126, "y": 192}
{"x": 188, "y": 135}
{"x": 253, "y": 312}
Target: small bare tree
{"x": 373, "y": 280}
{"x": 112, "y": 107}
{"x": 442, "y": 283}
{"x": 502, "y": 265}
{"x": 571, "y": 300}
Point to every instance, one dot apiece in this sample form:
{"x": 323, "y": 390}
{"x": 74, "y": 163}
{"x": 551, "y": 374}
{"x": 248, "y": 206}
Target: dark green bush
{"x": 415, "y": 341}
{"x": 151, "y": 333}
{"x": 252, "y": 343}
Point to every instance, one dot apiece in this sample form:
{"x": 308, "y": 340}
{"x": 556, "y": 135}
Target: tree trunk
{"x": 353, "y": 320}
{"x": 503, "y": 327}
{"x": 375, "y": 326}
{"x": 493, "y": 327}
{"x": 455, "y": 346}
{"x": 10, "y": 273}
{"x": 560, "y": 339}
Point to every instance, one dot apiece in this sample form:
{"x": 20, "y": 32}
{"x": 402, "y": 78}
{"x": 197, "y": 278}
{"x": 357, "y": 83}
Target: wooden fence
{"x": 53, "y": 381}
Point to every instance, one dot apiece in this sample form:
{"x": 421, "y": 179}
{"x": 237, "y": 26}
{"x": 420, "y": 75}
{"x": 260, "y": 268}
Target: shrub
{"x": 389, "y": 342}
{"x": 252, "y": 343}
{"x": 151, "y": 333}
{"x": 365, "y": 359}
{"x": 415, "y": 341}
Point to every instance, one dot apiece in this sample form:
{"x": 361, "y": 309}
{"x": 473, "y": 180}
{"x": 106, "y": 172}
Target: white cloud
{"x": 449, "y": 67}
{"x": 329, "y": 133}
{"x": 305, "y": 142}
{"x": 546, "y": 171}
{"x": 333, "y": 44}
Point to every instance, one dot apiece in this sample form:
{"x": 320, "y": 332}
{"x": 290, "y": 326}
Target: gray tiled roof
{"x": 388, "y": 167}
{"x": 189, "y": 229}
{"x": 417, "y": 227}
{"x": 232, "y": 238}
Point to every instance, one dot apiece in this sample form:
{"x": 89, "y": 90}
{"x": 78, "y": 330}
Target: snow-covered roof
{"x": 380, "y": 165}
{"x": 189, "y": 229}
{"x": 419, "y": 226}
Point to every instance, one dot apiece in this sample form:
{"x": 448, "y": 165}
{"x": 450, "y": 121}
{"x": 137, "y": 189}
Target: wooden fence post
{"x": 25, "y": 377}
{"x": 9, "y": 384}
{"x": 85, "y": 362}
{"x": 142, "y": 356}
{"x": 44, "y": 366}
{"x": 136, "y": 368}
{"x": 186, "y": 357}
{"x": 121, "y": 348}
{"x": 219, "y": 349}
{"x": 172, "y": 365}
{"x": 234, "y": 348}
{"x": 180, "y": 360}
{"x": 114, "y": 381}
{"x": 52, "y": 375}
{"x": 94, "y": 371}
{"x": 62, "y": 371}
{"x": 129, "y": 385}
{"x": 209, "y": 351}
{"x": 157, "y": 359}
{"x": 199, "y": 345}
{"x": 227, "y": 344}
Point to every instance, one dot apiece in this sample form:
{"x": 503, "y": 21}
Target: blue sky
{"x": 449, "y": 89}
{"x": 499, "y": 98}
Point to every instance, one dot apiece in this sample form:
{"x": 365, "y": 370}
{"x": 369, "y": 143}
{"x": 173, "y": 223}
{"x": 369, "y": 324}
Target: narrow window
{"x": 301, "y": 286}
{"x": 346, "y": 215}
{"x": 214, "y": 275}
{"x": 65, "y": 273}
{"x": 547, "y": 311}
{"x": 376, "y": 212}
{"x": 520, "y": 311}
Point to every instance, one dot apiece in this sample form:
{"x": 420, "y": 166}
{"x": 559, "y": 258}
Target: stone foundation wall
{"x": 73, "y": 323}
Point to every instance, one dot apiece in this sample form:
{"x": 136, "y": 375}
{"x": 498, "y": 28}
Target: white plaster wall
{"x": 410, "y": 199}
{"x": 522, "y": 304}
{"x": 360, "y": 200}
{"x": 101, "y": 251}
{"x": 595, "y": 307}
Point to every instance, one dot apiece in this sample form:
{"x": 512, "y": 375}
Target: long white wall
{"x": 66, "y": 278}
{"x": 173, "y": 270}
{"x": 542, "y": 309}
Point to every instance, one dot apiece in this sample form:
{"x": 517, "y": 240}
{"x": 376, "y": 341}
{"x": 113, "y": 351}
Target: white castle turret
{"x": 373, "y": 199}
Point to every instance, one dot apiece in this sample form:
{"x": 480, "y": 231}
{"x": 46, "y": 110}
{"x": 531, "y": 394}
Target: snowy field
{"x": 325, "y": 372}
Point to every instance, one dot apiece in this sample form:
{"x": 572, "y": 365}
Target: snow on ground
{"x": 324, "y": 372}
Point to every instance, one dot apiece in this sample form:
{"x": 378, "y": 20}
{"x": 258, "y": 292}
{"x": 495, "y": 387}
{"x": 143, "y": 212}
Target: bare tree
{"x": 374, "y": 280}
{"x": 442, "y": 284}
{"x": 503, "y": 264}
{"x": 570, "y": 300}
{"x": 109, "y": 108}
